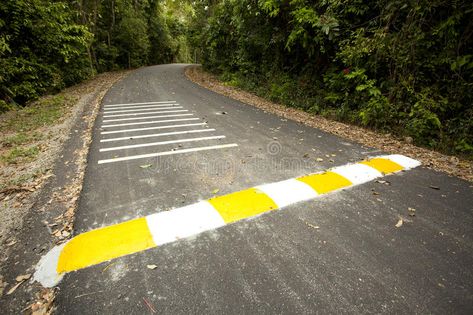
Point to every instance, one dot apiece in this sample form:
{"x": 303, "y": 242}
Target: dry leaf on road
{"x": 23, "y": 277}
{"x": 399, "y": 223}
{"x": 3, "y": 285}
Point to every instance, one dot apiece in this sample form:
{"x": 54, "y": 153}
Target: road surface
{"x": 161, "y": 142}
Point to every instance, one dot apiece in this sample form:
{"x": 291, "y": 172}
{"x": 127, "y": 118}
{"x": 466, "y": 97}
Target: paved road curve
{"x": 161, "y": 142}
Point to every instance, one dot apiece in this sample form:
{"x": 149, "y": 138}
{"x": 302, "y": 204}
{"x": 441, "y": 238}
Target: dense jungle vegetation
{"x": 398, "y": 66}
{"x": 46, "y": 45}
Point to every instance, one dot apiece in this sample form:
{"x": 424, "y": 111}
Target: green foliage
{"x": 46, "y": 45}
{"x": 40, "y": 48}
{"x": 17, "y": 155}
{"x": 21, "y": 138}
{"x": 43, "y": 112}
{"x": 395, "y": 65}
{"x": 133, "y": 40}
{"x": 130, "y": 34}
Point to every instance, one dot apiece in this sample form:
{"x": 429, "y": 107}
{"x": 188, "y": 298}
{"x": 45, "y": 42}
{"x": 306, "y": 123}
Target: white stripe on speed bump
{"x": 146, "y": 117}
{"x": 150, "y": 155}
{"x": 139, "y": 114}
{"x": 149, "y": 122}
{"x": 139, "y": 110}
{"x": 151, "y": 128}
{"x": 157, "y": 135}
{"x": 357, "y": 173}
{"x": 125, "y": 104}
{"x": 160, "y": 143}
{"x": 402, "y": 160}
{"x": 288, "y": 192}
{"x": 170, "y": 226}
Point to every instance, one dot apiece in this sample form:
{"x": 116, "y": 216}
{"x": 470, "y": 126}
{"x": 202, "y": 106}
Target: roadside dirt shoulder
{"x": 39, "y": 195}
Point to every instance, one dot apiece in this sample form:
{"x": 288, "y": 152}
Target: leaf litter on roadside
{"x": 43, "y": 304}
{"x": 20, "y": 280}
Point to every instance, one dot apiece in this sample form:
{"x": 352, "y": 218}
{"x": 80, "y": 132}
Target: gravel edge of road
{"x": 451, "y": 165}
{"x": 51, "y": 208}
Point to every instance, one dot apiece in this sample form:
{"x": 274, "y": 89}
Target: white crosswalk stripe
{"x": 139, "y": 143}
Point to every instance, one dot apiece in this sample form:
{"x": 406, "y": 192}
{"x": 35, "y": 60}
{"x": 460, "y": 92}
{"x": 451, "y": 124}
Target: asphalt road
{"x": 339, "y": 253}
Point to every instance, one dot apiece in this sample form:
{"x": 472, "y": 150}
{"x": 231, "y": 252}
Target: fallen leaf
{"x": 152, "y": 267}
{"x": 69, "y": 212}
{"x": 149, "y": 305}
{"x": 412, "y": 211}
{"x": 104, "y": 269}
{"x": 23, "y": 277}
{"x": 319, "y": 159}
{"x": 434, "y": 187}
{"x": 44, "y": 303}
{"x": 14, "y": 288}
{"x": 399, "y": 223}
{"x": 11, "y": 243}
{"x": 215, "y": 191}
{"x": 312, "y": 226}
{"x": 383, "y": 182}
{"x": 146, "y": 166}
{"x": 3, "y": 285}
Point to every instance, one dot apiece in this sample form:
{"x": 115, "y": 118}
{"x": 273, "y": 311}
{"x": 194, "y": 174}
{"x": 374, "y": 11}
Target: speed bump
{"x": 103, "y": 244}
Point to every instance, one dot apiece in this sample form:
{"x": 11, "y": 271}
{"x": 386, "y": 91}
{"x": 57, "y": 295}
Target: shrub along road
{"x": 402, "y": 243}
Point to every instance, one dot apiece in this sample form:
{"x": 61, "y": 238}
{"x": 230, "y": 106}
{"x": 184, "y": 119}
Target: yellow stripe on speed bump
{"x": 326, "y": 182}
{"x": 242, "y": 204}
{"x": 122, "y": 239}
{"x": 384, "y": 166}
{"x": 103, "y": 244}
